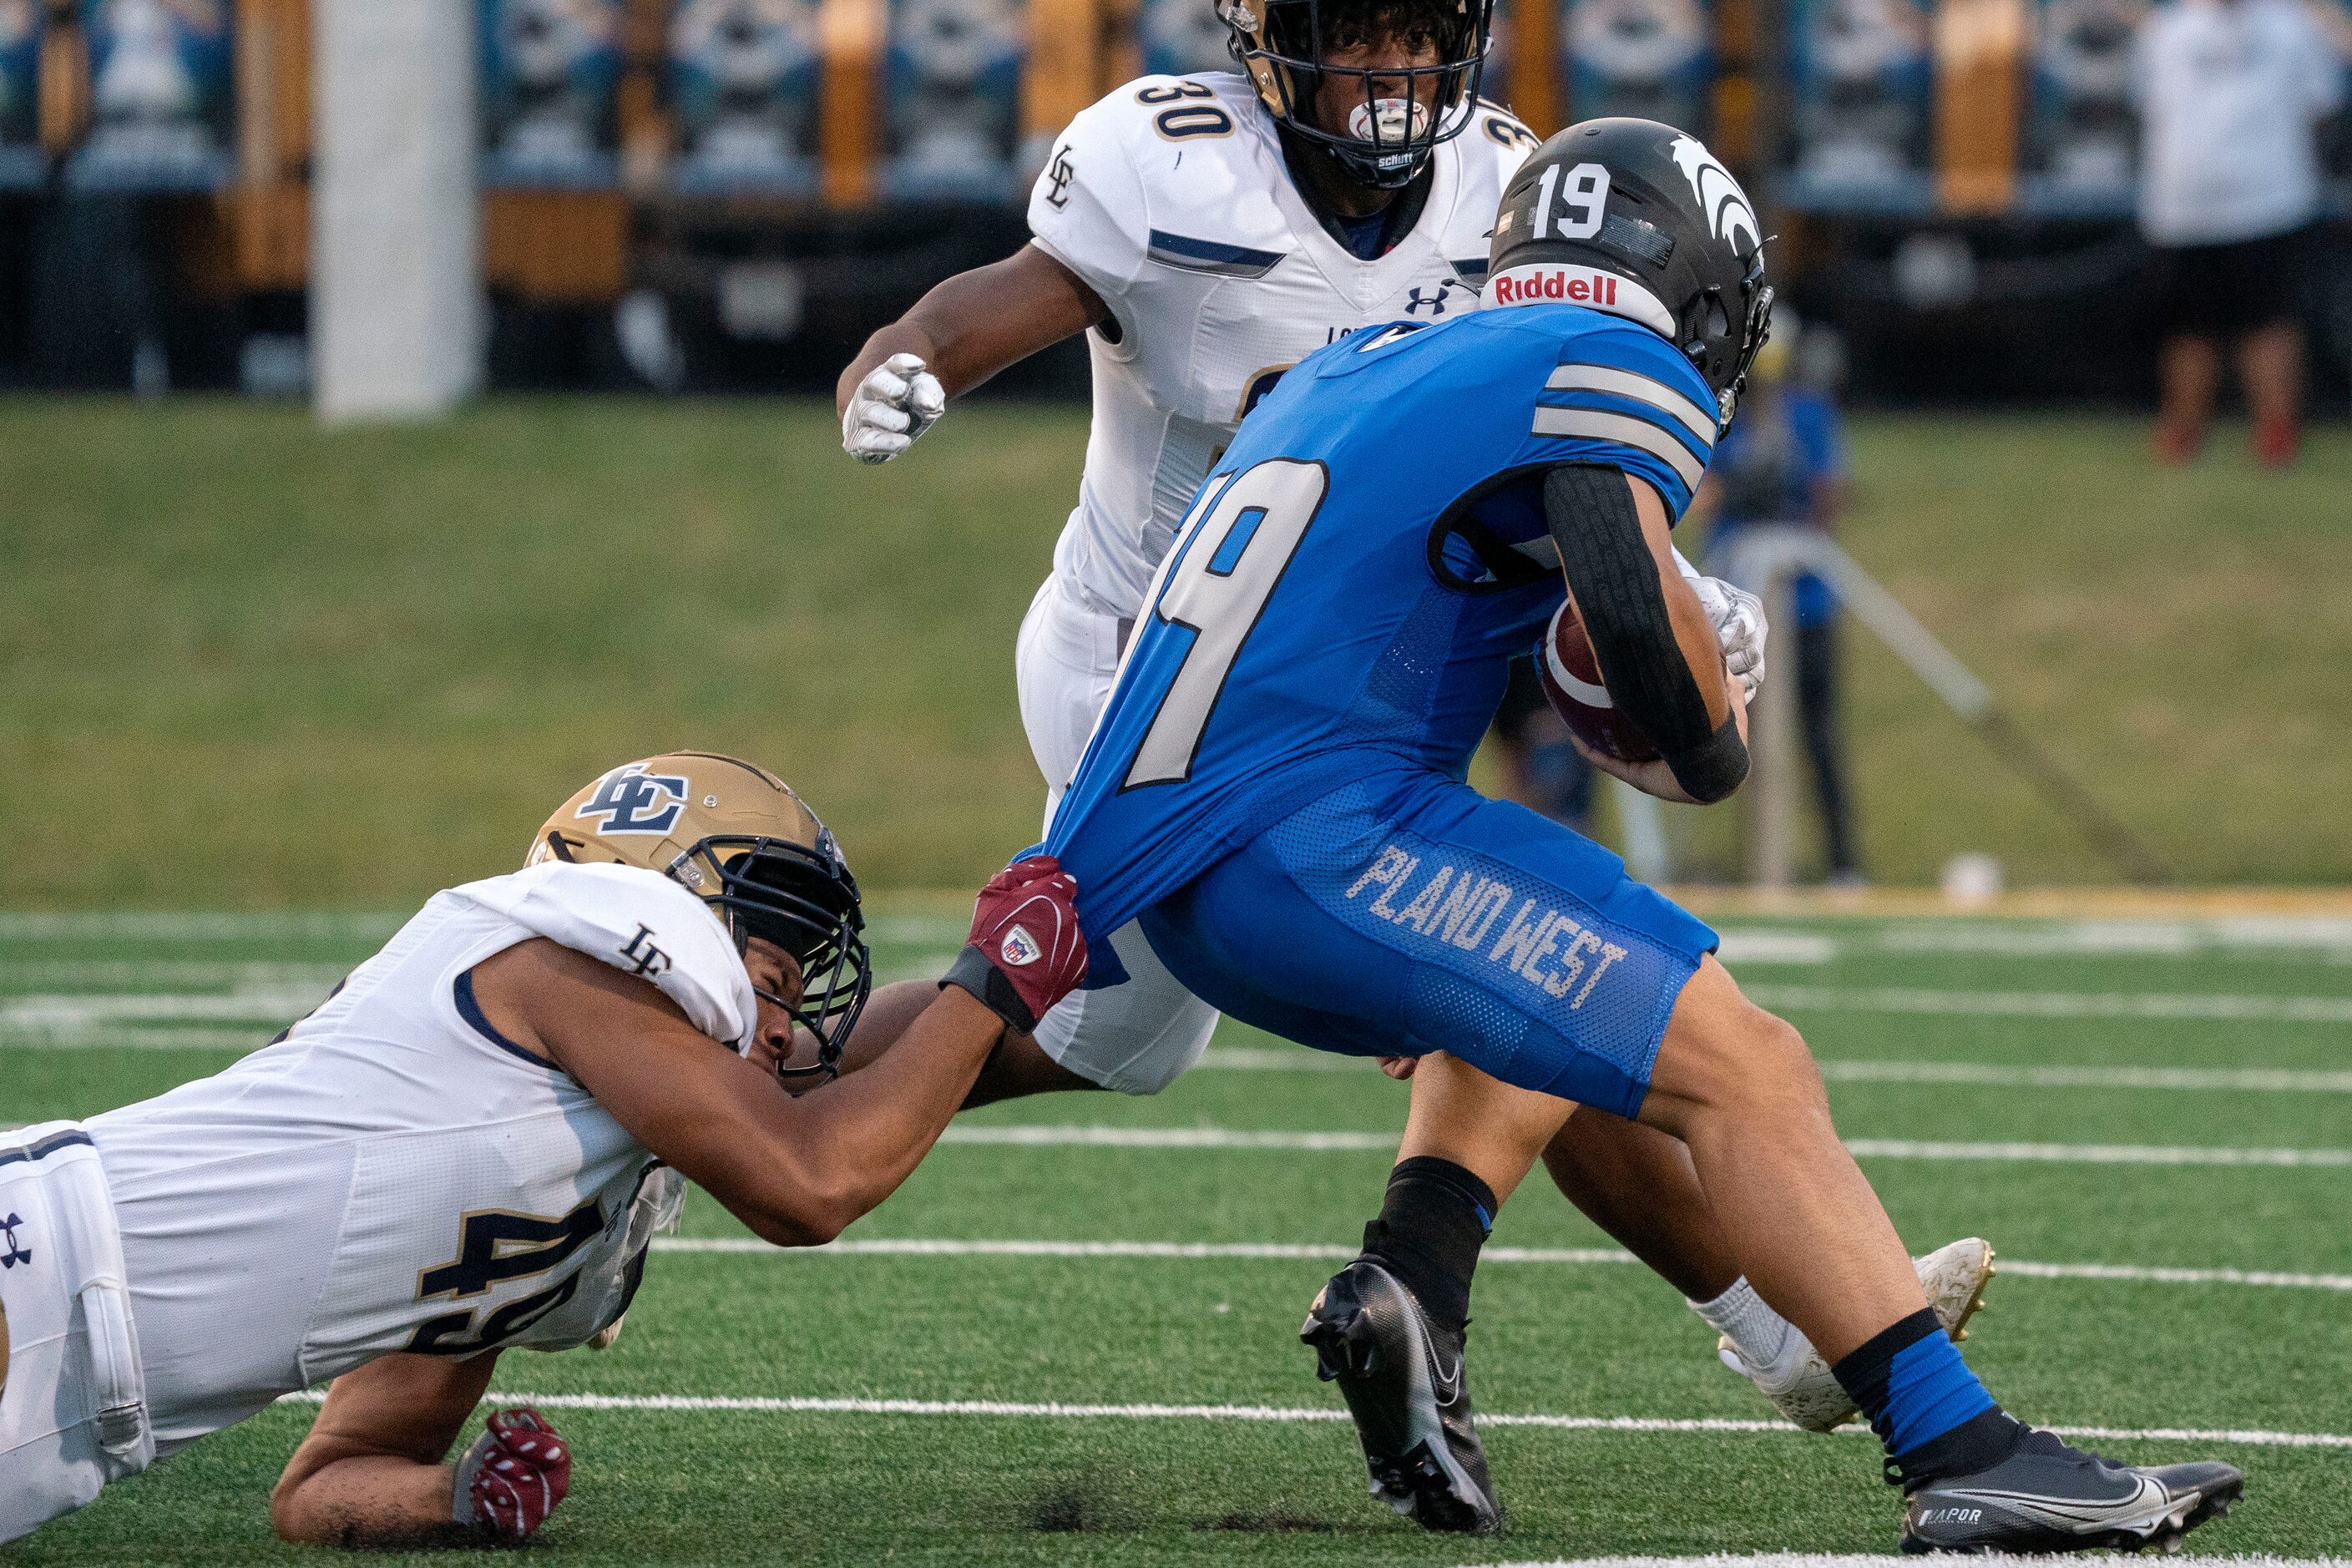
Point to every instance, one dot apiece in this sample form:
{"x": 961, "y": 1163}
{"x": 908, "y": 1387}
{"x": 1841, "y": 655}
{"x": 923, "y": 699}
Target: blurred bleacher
{"x": 767, "y": 179}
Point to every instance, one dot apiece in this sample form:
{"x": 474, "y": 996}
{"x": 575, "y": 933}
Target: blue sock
{"x": 1911, "y": 1383}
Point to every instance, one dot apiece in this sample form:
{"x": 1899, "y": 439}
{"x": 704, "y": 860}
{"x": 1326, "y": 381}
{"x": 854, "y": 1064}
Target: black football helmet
{"x": 1640, "y": 220}
{"x": 1391, "y": 137}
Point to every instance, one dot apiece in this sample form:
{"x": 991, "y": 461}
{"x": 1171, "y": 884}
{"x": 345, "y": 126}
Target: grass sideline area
{"x": 246, "y": 663}
{"x": 983, "y": 1374}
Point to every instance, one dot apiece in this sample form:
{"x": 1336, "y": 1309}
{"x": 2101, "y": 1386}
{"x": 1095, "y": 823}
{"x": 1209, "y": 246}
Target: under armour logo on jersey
{"x": 641, "y": 951}
{"x": 17, "y": 1252}
{"x": 1414, "y": 301}
{"x": 631, "y": 800}
{"x": 1019, "y": 948}
{"x": 1059, "y": 176}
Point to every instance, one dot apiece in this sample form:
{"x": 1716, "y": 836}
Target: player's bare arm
{"x": 371, "y": 1474}
{"x": 796, "y": 1170}
{"x": 1647, "y": 650}
{"x": 957, "y": 336}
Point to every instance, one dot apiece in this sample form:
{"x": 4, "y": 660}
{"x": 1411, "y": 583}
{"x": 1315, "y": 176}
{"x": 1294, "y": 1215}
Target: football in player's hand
{"x": 1571, "y": 680}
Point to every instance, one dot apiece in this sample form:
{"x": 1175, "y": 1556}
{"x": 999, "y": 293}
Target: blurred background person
{"x": 2232, "y": 94}
{"x": 1783, "y": 463}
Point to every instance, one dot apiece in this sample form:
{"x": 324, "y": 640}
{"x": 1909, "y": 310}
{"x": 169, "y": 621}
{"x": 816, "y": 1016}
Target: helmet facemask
{"x": 1391, "y": 134}
{"x": 805, "y": 902}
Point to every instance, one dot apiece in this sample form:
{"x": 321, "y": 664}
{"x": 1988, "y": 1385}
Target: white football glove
{"x": 1738, "y": 616}
{"x": 897, "y": 402}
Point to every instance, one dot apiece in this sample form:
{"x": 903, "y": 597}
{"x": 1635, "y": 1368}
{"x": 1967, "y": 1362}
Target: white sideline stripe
{"x": 1048, "y": 1136}
{"x": 931, "y": 1246}
{"x": 1999, "y": 1075}
{"x": 1056, "y": 1410}
{"x": 2058, "y": 1004}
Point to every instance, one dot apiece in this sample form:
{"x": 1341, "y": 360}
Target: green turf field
{"x": 247, "y": 664}
{"x": 2129, "y": 1111}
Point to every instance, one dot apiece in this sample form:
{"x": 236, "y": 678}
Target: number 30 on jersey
{"x": 1226, "y": 565}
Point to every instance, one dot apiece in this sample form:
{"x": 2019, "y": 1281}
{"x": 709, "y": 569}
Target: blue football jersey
{"x": 1353, "y": 577}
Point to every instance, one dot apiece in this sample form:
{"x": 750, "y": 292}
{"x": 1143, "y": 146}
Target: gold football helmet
{"x": 1391, "y": 134}
{"x": 736, "y": 836}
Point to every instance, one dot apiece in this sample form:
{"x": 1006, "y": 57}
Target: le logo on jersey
{"x": 1059, "y": 176}
{"x": 631, "y": 800}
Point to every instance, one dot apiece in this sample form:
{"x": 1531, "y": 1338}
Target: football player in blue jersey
{"x": 1275, "y": 792}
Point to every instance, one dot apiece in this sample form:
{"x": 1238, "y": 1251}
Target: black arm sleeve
{"x": 1589, "y": 510}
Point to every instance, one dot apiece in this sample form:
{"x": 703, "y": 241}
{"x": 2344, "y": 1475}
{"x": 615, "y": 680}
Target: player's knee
{"x": 1731, "y": 1057}
{"x": 1782, "y": 1065}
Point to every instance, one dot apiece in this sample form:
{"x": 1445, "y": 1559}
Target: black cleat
{"x": 2049, "y": 1497}
{"x": 1402, "y": 1378}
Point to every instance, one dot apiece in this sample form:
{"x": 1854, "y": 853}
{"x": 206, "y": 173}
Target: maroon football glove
{"x": 1026, "y": 953}
{"x": 514, "y": 1475}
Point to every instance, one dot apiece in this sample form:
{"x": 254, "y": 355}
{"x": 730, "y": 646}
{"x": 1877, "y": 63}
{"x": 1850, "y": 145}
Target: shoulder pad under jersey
{"x": 1166, "y": 174}
{"x": 641, "y": 923}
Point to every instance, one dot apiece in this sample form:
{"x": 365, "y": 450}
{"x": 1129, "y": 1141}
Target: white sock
{"x": 1764, "y": 1339}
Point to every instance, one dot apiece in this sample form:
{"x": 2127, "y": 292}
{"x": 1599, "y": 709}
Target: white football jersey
{"x": 391, "y": 1174}
{"x": 1172, "y": 200}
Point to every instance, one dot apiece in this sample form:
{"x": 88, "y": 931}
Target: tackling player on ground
{"x": 468, "y": 1146}
{"x": 1206, "y": 233}
{"x": 1275, "y": 794}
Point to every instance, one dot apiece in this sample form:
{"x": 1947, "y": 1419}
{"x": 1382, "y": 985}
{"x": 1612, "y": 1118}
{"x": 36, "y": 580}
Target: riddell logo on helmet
{"x": 1574, "y": 285}
{"x": 1563, "y": 283}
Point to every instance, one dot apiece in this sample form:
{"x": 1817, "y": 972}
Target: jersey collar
{"x": 1363, "y": 284}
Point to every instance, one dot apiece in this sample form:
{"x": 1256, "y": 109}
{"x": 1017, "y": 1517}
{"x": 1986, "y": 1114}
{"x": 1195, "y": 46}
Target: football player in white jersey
{"x": 1205, "y": 233}
{"x": 468, "y": 1147}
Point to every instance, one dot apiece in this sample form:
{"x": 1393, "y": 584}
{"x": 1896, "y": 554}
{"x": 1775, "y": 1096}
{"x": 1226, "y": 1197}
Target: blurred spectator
{"x": 1542, "y": 769}
{"x": 2232, "y": 94}
{"x": 1783, "y": 462}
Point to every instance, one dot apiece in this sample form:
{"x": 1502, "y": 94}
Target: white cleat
{"x": 1800, "y": 1383}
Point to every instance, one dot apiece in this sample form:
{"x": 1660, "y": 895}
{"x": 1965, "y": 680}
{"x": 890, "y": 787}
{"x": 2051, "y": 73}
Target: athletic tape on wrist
{"x": 973, "y": 971}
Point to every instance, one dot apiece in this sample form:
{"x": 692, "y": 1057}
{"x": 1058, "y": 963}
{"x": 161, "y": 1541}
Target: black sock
{"x": 1430, "y": 1229}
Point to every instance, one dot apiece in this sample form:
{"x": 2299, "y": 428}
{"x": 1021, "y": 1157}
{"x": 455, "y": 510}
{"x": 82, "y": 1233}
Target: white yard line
{"x": 1999, "y": 1075}
{"x": 2311, "y": 938}
{"x": 1071, "y": 1136}
{"x": 237, "y": 1038}
{"x": 2096, "y": 1153}
{"x": 2004, "y": 1076}
{"x": 931, "y": 1246}
{"x": 271, "y": 1004}
{"x": 107, "y": 976}
{"x": 196, "y": 925}
{"x": 1058, "y": 1411}
{"x": 2215, "y": 1006}
{"x": 1764, "y": 944}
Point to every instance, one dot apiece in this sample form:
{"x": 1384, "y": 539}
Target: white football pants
{"x": 73, "y": 1412}
{"x": 1140, "y": 1036}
